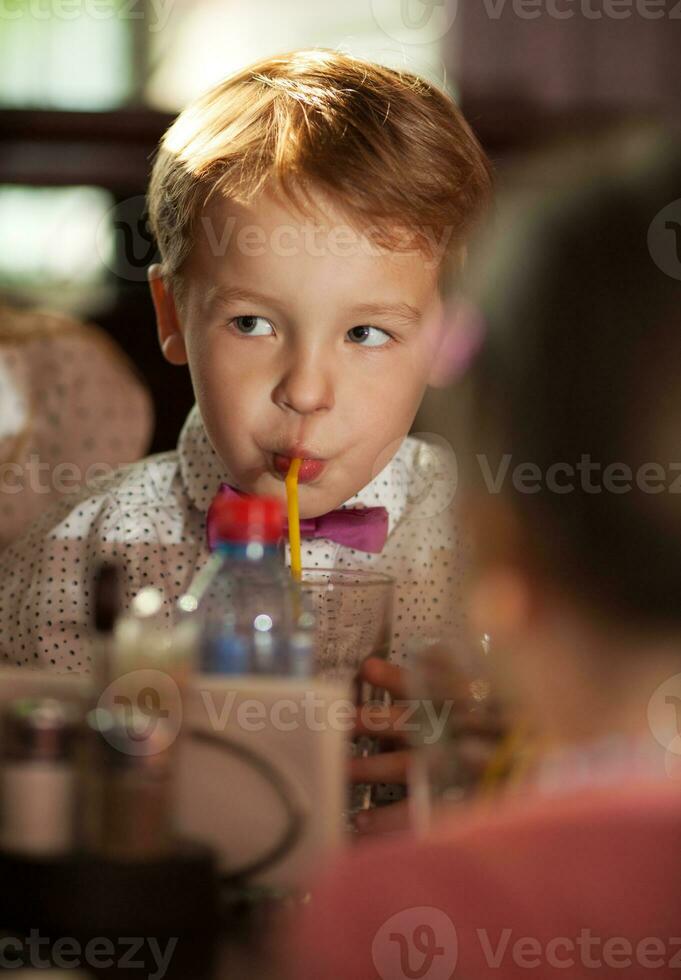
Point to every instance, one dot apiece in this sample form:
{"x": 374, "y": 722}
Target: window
{"x": 101, "y": 54}
{"x": 204, "y": 41}
{"x": 58, "y": 241}
{"x": 65, "y": 55}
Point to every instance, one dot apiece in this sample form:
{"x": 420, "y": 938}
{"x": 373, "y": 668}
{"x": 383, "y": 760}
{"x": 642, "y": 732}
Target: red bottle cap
{"x": 240, "y": 520}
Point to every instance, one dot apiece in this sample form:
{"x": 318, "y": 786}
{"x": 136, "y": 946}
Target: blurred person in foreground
{"x": 572, "y": 493}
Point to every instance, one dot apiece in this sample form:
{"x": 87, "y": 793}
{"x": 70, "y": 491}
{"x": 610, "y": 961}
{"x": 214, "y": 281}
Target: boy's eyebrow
{"x": 401, "y": 311}
{"x": 229, "y": 294}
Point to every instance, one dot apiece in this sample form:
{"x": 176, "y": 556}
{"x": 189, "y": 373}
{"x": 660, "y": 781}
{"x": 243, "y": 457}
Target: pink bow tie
{"x": 361, "y": 528}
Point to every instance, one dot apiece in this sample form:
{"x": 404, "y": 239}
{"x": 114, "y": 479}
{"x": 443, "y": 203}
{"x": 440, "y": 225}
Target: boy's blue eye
{"x": 368, "y": 336}
{"x": 253, "y": 326}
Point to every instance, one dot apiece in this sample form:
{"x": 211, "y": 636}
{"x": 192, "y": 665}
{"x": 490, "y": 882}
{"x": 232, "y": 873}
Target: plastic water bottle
{"x": 253, "y": 619}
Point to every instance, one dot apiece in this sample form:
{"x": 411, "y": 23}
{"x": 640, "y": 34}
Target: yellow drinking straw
{"x": 509, "y": 763}
{"x": 291, "y": 482}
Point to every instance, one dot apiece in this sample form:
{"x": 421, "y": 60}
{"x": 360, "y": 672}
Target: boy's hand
{"x": 374, "y": 718}
{"x": 386, "y": 723}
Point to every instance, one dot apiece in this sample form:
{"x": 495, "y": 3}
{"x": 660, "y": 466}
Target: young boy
{"x": 303, "y": 209}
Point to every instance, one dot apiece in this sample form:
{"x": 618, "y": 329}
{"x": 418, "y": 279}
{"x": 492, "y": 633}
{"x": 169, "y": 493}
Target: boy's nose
{"x": 305, "y": 387}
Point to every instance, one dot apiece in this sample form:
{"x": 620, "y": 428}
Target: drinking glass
{"x": 354, "y": 618}
{"x": 456, "y": 722}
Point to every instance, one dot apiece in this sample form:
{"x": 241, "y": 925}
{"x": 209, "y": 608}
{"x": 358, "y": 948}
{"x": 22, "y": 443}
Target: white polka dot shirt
{"x": 150, "y": 518}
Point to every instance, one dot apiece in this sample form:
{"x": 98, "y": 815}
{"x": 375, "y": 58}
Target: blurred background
{"x": 87, "y": 87}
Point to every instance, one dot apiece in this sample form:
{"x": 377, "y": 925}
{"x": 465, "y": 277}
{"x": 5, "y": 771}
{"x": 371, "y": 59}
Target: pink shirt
{"x": 580, "y": 886}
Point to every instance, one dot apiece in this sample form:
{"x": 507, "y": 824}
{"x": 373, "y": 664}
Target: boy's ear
{"x": 167, "y": 321}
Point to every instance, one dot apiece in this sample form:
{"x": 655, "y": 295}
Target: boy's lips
{"x": 309, "y": 470}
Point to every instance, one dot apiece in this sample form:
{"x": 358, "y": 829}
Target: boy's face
{"x": 302, "y": 340}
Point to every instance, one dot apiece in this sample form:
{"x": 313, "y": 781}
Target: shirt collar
{"x": 203, "y": 471}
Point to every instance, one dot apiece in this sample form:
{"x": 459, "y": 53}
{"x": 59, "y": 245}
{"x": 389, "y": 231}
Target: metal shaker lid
{"x": 33, "y": 729}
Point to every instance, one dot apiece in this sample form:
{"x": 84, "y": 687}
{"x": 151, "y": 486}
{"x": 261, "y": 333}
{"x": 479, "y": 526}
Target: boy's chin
{"x": 314, "y": 502}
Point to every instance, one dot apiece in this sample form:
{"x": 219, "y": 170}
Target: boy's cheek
{"x": 231, "y": 406}
{"x": 400, "y": 382}
{"x": 399, "y": 398}
{"x": 222, "y": 376}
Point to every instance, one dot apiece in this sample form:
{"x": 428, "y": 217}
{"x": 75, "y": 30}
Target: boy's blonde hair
{"x": 388, "y": 148}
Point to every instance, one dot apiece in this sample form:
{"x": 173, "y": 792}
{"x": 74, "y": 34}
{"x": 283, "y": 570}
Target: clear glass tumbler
{"x": 456, "y": 722}
{"x": 354, "y": 620}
